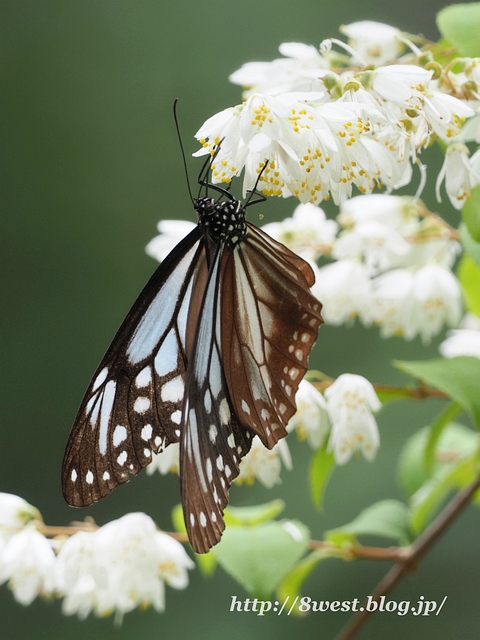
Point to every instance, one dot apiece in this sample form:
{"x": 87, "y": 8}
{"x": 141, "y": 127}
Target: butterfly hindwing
{"x": 212, "y": 441}
{"x": 270, "y": 322}
{"x": 133, "y": 404}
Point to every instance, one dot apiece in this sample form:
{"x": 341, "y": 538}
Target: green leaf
{"x": 178, "y": 520}
{"x": 471, "y": 212}
{"x": 426, "y": 501}
{"x": 468, "y": 273}
{"x": 321, "y": 467}
{"x": 469, "y": 244}
{"x": 259, "y": 557}
{"x": 437, "y": 427}
{"x": 289, "y": 589}
{"x": 388, "y": 518}
{"x": 256, "y": 514}
{"x": 454, "y": 443}
{"x": 460, "y": 24}
{"x": 457, "y": 377}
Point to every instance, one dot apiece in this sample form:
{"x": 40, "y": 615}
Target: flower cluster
{"x": 344, "y": 415}
{"x": 393, "y": 268}
{"x": 120, "y": 566}
{"x": 317, "y": 122}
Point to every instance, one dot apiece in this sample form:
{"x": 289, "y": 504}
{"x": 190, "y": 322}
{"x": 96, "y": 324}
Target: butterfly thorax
{"x": 223, "y": 220}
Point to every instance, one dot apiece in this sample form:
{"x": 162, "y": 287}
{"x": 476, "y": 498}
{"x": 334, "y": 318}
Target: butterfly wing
{"x": 133, "y": 405}
{"x": 212, "y": 441}
{"x": 270, "y": 322}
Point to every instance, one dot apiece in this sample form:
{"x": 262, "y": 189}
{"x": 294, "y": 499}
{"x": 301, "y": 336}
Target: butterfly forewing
{"x": 133, "y": 405}
{"x": 212, "y": 441}
{"x": 270, "y": 322}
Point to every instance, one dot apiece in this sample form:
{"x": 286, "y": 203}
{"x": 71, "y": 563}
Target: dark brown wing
{"x": 270, "y": 322}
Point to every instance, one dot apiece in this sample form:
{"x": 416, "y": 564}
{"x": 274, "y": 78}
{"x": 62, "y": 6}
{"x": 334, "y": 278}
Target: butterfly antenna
{"x": 254, "y": 191}
{"x": 181, "y": 147}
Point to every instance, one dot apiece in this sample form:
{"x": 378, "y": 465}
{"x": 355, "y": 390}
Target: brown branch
{"x": 394, "y": 554}
{"x": 417, "y": 550}
{"x": 418, "y": 393}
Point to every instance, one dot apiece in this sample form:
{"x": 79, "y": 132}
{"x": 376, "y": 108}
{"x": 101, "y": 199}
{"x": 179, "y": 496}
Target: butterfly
{"x": 210, "y": 355}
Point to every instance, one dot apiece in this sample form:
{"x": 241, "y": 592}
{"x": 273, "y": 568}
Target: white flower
{"x": 264, "y": 464}
{"x": 437, "y": 300}
{"x": 171, "y": 232}
{"x": 173, "y": 561}
{"x": 344, "y": 288}
{"x": 308, "y": 232}
{"x": 461, "y": 342}
{"x": 465, "y": 341}
{"x": 27, "y": 563}
{"x": 390, "y": 299}
{"x": 15, "y": 512}
{"x": 119, "y": 567}
{"x": 168, "y": 461}
{"x": 351, "y": 400}
{"x": 459, "y": 174}
{"x": 314, "y": 146}
{"x": 300, "y": 70}
{"x": 380, "y": 246}
{"x": 397, "y": 212}
{"x": 82, "y": 576}
{"x": 410, "y": 304}
{"x": 311, "y": 419}
{"x": 445, "y": 114}
{"x": 403, "y": 84}
{"x": 375, "y": 42}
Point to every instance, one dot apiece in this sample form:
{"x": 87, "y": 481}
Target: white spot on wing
{"x": 146, "y": 433}
{"x": 173, "y": 390}
{"x": 208, "y": 401}
{"x": 231, "y": 440}
{"x": 106, "y": 475}
{"x": 89, "y": 477}
{"x": 166, "y": 359}
{"x": 219, "y": 463}
{"x": 208, "y": 465}
{"x": 102, "y": 376}
{"x": 144, "y": 378}
{"x": 106, "y": 410}
{"x": 141, "y": 404}
{"x": 212, "y": 432}
{"x": 122, "y": 458}
{"x": 176, "y": 417}
{"x": 224, "y": 412}
{"x": 245, "y": 407}
{"x": 74, "y": 475}
{"x": 203, "y": 519}
{"x": 119, "y": 435}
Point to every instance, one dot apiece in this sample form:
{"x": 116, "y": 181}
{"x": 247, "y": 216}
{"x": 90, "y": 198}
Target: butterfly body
{"x": 210, "y": 355}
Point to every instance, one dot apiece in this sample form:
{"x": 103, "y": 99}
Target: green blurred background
{"x": 90, "y": 163}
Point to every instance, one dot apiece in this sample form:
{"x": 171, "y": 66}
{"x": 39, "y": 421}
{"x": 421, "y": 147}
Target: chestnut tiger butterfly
{"x": 210, "y": 355}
